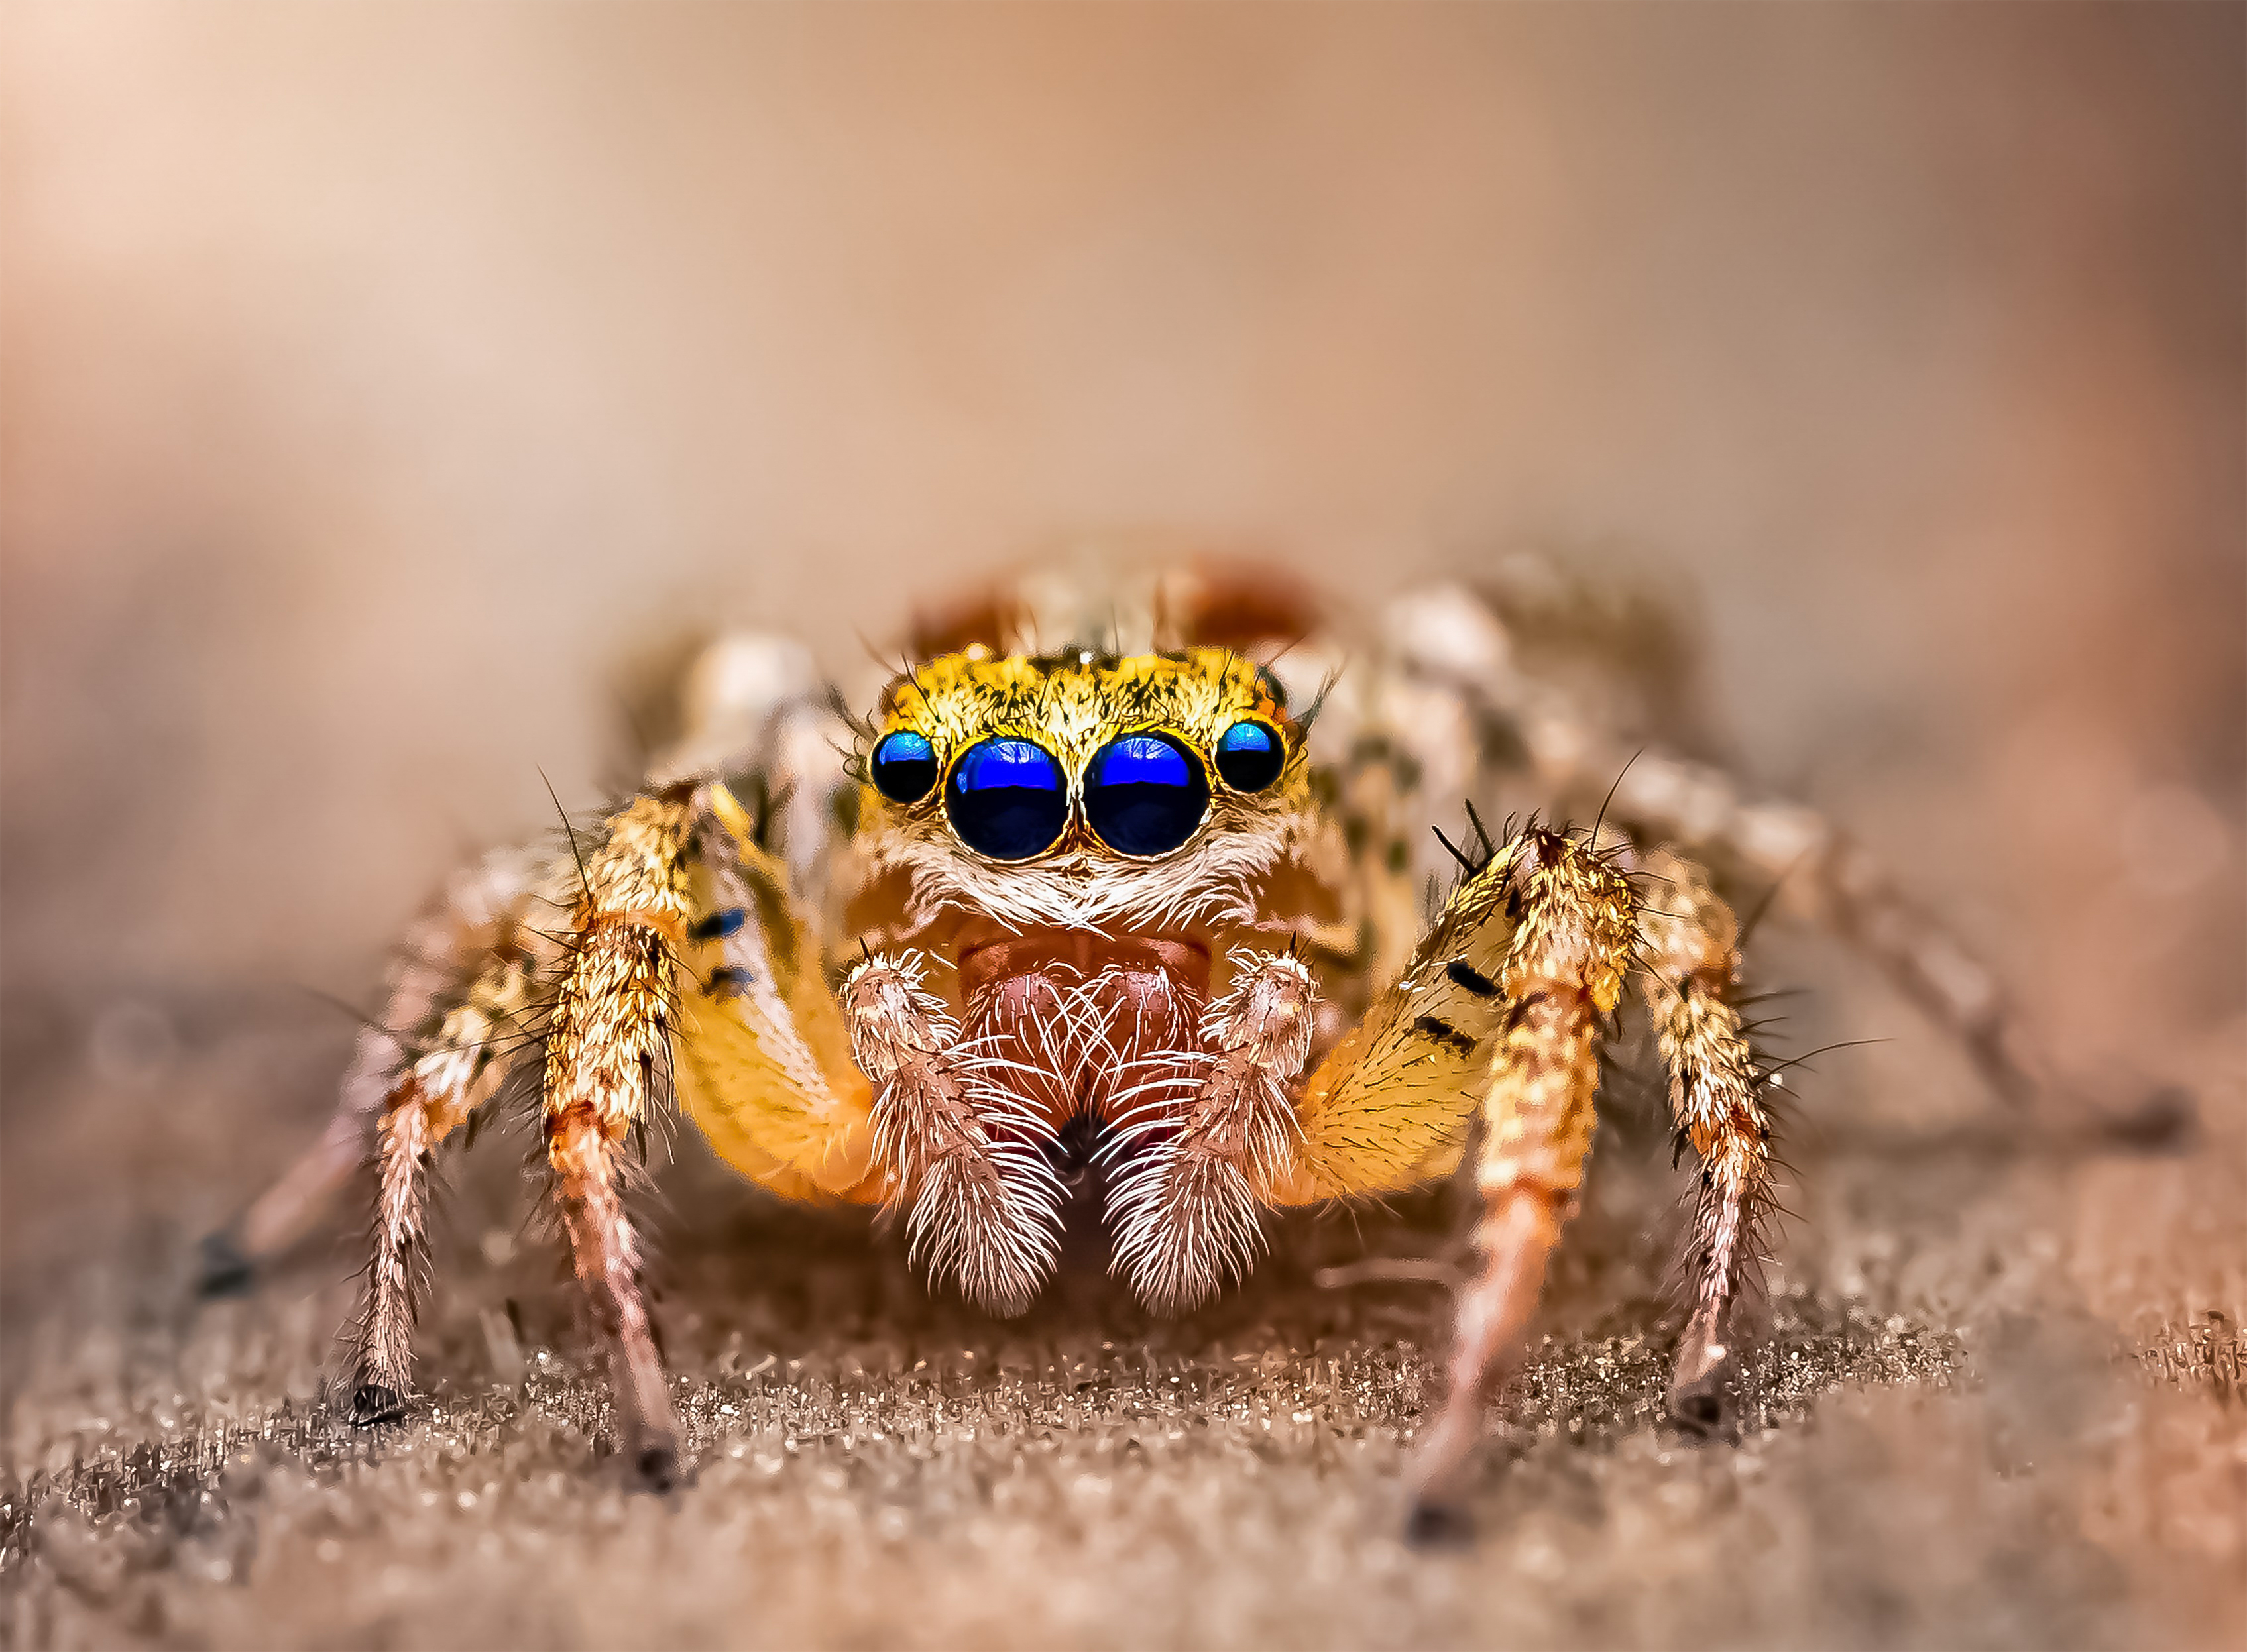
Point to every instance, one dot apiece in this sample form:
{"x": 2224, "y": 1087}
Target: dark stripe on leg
{"x": 1466, "y": 975}
{"x": 726, "y": 981}
{"x": 1443, "y": 1033}
{"x": 718, "y": 925}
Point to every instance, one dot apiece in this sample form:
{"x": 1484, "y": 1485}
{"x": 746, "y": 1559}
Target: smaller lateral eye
{"x": 904, "y": 767}
{"x": 1250, "y": 757}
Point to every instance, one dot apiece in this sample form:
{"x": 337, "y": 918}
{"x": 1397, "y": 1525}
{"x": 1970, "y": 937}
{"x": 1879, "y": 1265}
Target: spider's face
{"x": 1083, "y": 791}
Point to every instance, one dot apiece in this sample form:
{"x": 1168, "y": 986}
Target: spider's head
{"x": 1083, "y": 792}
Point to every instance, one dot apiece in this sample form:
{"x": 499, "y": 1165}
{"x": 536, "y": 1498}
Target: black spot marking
{"x": 2166, "y": 1122}
{"x": 1499, "y": 736}
{"x": 719, "y": 924}
{"x": 1466, "y": 975}
{"x": 1443, "y": 1033}
{"x": 726, "y": 981}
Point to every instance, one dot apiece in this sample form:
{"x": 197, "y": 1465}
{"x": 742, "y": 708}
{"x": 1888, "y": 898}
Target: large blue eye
{"x": 1006, "y": 800}
{"x": 904, "y": 767}
{"x": 1145, "y": 793}
{"x": 1250, "y": 757}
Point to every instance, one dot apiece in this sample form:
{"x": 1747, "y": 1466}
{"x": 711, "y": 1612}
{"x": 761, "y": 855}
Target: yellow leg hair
{"x": 766, "y": 1069}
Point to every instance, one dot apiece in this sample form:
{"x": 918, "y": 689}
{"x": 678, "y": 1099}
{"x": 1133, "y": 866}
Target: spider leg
{"x": 608, "y": 1069}
{"x": 985, "y": 1206}
{"x": 473, "y": 1048}
{"x": 1389, "y": 1105}
{"x": 1562, "y": 972}
{"x": 1688, "y": 945}
{"x": 1505, "y": 998}
{"x": 767, "y": 1073}
{"x": 1185, "y": 1210}
{"x": 1817, "y": 874}
{"x": 1450, "y": 641}
{"x": 475, "y": 924}
{"x": 672, "y": 886}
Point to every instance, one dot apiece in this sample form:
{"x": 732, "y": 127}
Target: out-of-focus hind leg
{"x": 470, "y": 1054}
{"x": 1574, "y": 763}
{"x": 1819, "y": 874}
{"x": 477, "y": 919}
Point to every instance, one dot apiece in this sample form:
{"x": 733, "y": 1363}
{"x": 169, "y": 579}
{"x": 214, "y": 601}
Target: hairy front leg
{"x": 984, "y": 1205}
{"x": 1209, "y": 1131}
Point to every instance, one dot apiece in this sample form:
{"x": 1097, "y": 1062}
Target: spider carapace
{"x": 1189, "y": 886}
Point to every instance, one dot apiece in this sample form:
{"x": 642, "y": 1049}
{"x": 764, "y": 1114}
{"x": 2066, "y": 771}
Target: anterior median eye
{"x": 1250, "y": 757}
{"x": 1145, "y": 793}
{"x": 1006, "y": 799}
{"x": 904, "y": 766}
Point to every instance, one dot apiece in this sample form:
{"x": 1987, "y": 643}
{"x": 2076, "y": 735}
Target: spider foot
{"x": 222, "y": 1267}
{"x": 1435, "y": 1524}
{"x": 1700, "y": 1409}
{"x": 653, "y": 1462}
{"x": 375, "y": 1402}
{"x": 1701, "y": 1401}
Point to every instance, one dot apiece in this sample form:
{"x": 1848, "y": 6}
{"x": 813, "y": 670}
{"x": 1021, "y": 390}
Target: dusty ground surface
{"x": 2000, "y": 1404}
{"x": 379, "y": 379}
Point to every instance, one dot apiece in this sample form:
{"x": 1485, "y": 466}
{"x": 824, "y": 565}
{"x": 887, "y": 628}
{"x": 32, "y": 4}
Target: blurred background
{"x": 383, "y": 387}
{"x": 382, "y": 383}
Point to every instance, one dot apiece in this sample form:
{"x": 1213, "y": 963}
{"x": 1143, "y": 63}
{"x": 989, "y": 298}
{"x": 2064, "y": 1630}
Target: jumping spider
{"x": 1176, "y": 884}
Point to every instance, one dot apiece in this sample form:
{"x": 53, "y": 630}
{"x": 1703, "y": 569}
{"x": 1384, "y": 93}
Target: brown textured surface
{"x": 380, "y": 381}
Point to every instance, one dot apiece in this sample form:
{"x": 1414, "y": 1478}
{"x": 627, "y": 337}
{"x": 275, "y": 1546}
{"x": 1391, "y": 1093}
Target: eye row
{"x": 1145, "y": 793}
